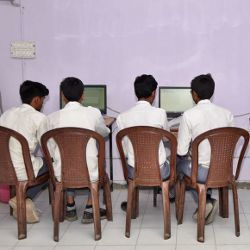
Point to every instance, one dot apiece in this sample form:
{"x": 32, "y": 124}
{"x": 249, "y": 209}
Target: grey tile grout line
{"x": 144, "y": 211}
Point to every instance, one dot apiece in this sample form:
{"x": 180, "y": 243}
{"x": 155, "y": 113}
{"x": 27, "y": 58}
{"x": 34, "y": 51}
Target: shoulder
{"x": 222, "y": 109}
{"x": 37, "y": 117}
{"x": 126, "y": 113}
{"x": 93, "y": 110}
{"x": 53, "y": 114}
{"x": 158, "y": 110}
{"x": 10, "y": 111}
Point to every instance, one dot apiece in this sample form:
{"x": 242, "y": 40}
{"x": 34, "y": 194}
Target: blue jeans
{"x": 33, "y": 191}
{"x": 184, "y": 168}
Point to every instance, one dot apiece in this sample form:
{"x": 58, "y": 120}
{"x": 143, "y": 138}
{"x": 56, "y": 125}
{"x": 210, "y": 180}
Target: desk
{"x": 109, "y": 122}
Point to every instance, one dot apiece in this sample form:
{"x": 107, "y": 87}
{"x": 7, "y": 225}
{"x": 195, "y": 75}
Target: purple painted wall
{"x": 112, "y": 41}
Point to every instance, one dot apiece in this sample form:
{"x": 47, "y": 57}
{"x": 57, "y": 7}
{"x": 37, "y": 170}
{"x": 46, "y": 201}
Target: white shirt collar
{"x": 143, "y": 102}
{"x": 27, "y": 106}
{"x": 205, "y": 101}
{"x": 70, "y": 105}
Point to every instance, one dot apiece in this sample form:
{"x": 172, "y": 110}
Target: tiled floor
{"x": 146, "y": 231}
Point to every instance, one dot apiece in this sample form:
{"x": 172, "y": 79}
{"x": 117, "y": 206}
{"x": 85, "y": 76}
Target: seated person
{"x": 76, "y": 115}
{"x": 144, "y": 114}
{"x": 27, "y": 120}
{"x": 202, "y": 117}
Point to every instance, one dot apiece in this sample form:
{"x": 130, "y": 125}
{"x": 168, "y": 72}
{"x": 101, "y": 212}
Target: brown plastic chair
{"x": 72, "y": 144}
{"x": 145, "y": 141}
{"x": 223, "y": 142}
{"x": 8, "y": 175}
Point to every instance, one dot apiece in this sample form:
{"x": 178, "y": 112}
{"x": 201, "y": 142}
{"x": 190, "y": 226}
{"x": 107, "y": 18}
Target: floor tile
{"x": 246, "y": 206}
{"x": 187, "y": 234}
{"x": 11, "y": 223}
{"x": 8, "y": 237}
{"x": 155, "y": 247}
{"x": 119, "y": 221}
{"x": 78, "y": 235}
{"x": 83, "y": 247}
{"x": 233, "y": 247}
{"x": 154, "y": 236}
{"x": 226, "y": 235}
{"x": 196, "y": 247}
{"x": 229, "y": 222}
{"x": 33, "y": 248}
{"x": 38, "y": 237}
{"x": 114, "y": 248}
{"x": 116, "y": 236}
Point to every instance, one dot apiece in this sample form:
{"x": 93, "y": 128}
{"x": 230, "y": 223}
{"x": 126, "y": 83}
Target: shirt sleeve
{"x": 165, "y": 122}
{"x": 42, "y": 128}
{"x": 184, "y": 137}
{"x": 100, "y": 127}
{"x": 119, "y": 123}
{"x": 231, "y": 120}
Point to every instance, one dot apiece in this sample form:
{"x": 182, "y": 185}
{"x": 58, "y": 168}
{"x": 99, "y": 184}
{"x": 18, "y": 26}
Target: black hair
{"x": 144, "y": 86}
{"x": 203, "y": 85}
{"x": 72, "y": 88}
{"x": 29, "y": 89}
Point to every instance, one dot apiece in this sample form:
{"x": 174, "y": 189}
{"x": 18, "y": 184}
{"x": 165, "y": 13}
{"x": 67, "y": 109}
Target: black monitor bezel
{"x": 171, "y": 114}
{"x": 103, "y": 111}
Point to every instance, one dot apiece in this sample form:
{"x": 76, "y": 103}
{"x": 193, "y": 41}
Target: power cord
{"x": 240, "y": 115}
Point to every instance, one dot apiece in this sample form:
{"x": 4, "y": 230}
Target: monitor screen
{"x": 175, "y": 100}
{"x": 95, "y": 96}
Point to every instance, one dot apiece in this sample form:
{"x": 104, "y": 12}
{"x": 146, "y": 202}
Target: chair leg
{"x": 96, "y": 210}
{"x": 57, "y": 208}
{"x": 135, "y": 204}
{"x": 62, "y": 205}
{"x": 107, "y": 198}
{"x": 177, "y": 192}
{"x": 236, "y": 210}
{"x": 21, "y": 210}
{"x": 155, "y": 192}
{"x": 129, "y": 207}
{"x": 166, "y": 210}
{"x": 223, "y": 202}
{"x": 201, "y": 213}
{"x": 181, "y": 201}
{"x": 51, "y": 193}
{"x": 12, "y": 194}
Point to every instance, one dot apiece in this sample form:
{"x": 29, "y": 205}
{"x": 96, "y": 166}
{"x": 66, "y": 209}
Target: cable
{"x": 114, "y": 129}
{"x": 235, "y": 116}
{"x": 115, "y": 111}
{"x": 15, "y": 4}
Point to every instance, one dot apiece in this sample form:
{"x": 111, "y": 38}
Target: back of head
{"x": 144, "y": 86}
{"x": 72, "y": 88}
{"x": 203, "y": 85}
{"x": 28, "y": 90}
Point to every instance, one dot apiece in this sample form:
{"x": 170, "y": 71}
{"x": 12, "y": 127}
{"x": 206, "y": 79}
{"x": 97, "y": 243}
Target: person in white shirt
{"x": 76, "y": 115}
{"x": 202, "y": 117}
{"x": 27, "y": 120}
{"x": 144, "y": 114}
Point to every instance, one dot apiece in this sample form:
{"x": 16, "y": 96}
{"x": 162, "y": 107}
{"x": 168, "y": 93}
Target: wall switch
{"x": 23, "y": 49}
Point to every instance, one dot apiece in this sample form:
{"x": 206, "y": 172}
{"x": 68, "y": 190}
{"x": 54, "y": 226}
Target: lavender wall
{"x": 112, "y": 41}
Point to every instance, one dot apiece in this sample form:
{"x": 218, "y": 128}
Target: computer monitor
{"x": 175, "y": 100}
{"x": 94, "y": 95}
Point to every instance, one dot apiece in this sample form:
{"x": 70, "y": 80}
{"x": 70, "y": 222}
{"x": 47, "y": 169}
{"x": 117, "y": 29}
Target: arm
{"x": 184, "y": 137}
{"x": 231, "y": 120}
{"x": 165, "y": 122}
{"x": 100, "y": 126}
{"x": 42, "y": 128}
